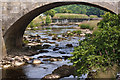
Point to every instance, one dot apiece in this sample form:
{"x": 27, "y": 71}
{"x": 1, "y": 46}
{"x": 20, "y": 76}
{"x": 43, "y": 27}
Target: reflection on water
{"x": 38, "y": 71}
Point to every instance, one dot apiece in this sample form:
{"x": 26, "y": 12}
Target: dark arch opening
{"x": 13, "y": 36}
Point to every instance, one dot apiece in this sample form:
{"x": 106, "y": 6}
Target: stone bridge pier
{"x": 17, "y": 14}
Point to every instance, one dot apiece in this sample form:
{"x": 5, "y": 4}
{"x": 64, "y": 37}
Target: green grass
{"x": 92, "y": 25}
{"x": 69, "y": 16}
{"x": 93, "y": 16}
{"x": 86, "y": 26}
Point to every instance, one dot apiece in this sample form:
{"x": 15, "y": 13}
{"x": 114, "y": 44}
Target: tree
{"x": 101, "y": 50}
{"x": 50, "y": 12}
{"x": 48, "y": 20}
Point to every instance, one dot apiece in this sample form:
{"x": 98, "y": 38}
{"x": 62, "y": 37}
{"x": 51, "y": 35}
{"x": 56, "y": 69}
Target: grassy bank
{"x": 92, "y": 25}
{"x": 70, "y": 16}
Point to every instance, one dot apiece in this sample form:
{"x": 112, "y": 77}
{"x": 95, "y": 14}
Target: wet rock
{"x": 50, "y": 42}
{"x": 31, "y": 36}
{"x": 60, "y": 72}
{"x": 6, "y": 66}
{"x": 18, "y": 63}
{"x": 51, "y": 77}
{"x": 55, "y": 49}
{"x": 52, "y": 59}
{"x": 36, "y": 61}
{"x": 69, "y": 45}
{"x": 38, "y": 41}
{"x": 44, "y": 56}
{"x": 46, "y": 45}
{"x": 42, "y": 51}
{"x": 37, "y": 35}
{"x": 27, "y": 58}
{"x": 66, "y": 57}
{"x": 82, "y": 35}
{"x": 37, "y": 47}
{"x": 64, "y": 71}
{"x": 57, "y": 45}
{"x": 54, "y": 38}
{"x": 44, "y": 38}
{"x": 49, "y": 34}
{"x": 62, "y": 52}
{"x": 18, "y": 58}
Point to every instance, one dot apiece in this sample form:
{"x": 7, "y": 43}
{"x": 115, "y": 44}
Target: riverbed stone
{"x": 18, "y": 63}
{"x": 60, "y": 72}
{"x": 46, "y": 46}
{"x": 69, "y": 45}
{"x": 54, "y": 38}
{"x": 53, "y": 59}
{"x": 62, "y": 52}
{"x": 51, "y": 77}
{"x": 55, "y": 49}
{"x": 36, "y": 61}
{"x": 6, "y": 66}
{"x": 43, "y": 51}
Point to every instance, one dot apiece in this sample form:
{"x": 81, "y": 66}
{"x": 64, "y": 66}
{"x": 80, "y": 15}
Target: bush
{"x": 48, "y": 20}
{"x": 77, "y": 31}
{"x": 101, "y": 51}
{"x": 86, "y": 26}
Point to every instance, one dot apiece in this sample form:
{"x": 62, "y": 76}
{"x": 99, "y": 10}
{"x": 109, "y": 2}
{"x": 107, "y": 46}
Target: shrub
{"x": 77, "y": 31}
{"x": 48, "y": 20}
{"x": 101, "y": 51}
{"x": 86, "y": 26}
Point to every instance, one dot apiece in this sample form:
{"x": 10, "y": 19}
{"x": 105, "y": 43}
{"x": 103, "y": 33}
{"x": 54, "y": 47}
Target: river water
{"x": 38, "y": 71}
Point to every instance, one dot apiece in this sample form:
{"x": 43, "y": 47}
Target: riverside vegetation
{"x": 100, "y": 51}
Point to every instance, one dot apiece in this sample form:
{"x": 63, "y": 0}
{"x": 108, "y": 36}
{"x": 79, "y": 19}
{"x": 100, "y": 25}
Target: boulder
{"x": 6, "y": 66}
{"x": 46, "y": 46}
{"x": 69, "y": 45}
{"x": 60, "y": 72}
{"x": 18, "y": 63}
{"x": 51, "y": 77}
{"x": 55, "y": 49}
{"x": 36, "y": 61}
{"x": 42, "y": 51}
{"x": 53, "y": 59}
{"x": 62, "y": 52}
{"x": 54, "y": 38}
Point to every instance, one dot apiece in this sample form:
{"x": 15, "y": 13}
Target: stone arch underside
{"x": 14, "y": 35}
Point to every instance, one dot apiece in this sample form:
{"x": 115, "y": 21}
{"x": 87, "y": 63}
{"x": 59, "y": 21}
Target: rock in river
{"x": 60, "y": 72}
{"x": 55, "y": 49}
{"x": 69, "y": 45}
{"x": 52, "y": 59}
{"x": 18, "y": 63}
{"x": 36, "y": 61}
{"x": 46, "y": 46}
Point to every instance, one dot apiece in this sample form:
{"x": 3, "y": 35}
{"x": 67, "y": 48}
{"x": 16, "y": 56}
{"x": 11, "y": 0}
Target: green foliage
{"x": 79, "y": 9}
{"x": 32, "y": 25}
{"x": 86, "y": 26}
{"x": 50, "y": 12}
{"x": 100, "y": 51}
{"x": 77, "y": 31}
{"x": 48, "y": 20}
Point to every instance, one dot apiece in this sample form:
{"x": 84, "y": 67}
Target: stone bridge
{"x": 17, "y": 14}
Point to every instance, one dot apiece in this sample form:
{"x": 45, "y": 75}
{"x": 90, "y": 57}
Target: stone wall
{"x": 16, "y": 14}
{"x": 12, "y": 10}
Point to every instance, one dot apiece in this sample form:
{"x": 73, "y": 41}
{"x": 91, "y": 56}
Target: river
{"x": 30, "y": 71}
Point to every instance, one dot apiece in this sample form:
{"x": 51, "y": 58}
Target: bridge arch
{"x": 14, "y": 35}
